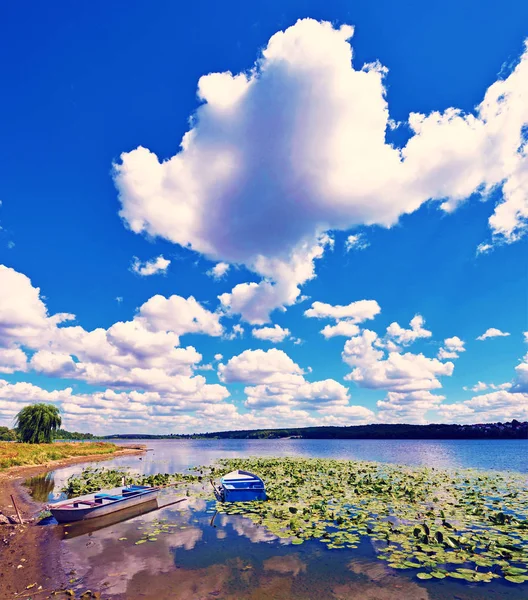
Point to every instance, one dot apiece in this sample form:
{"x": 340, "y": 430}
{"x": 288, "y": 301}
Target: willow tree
{"x": 35, "y": 423}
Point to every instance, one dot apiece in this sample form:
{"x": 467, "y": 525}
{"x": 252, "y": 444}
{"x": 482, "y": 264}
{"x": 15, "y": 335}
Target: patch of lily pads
{"x": 94, "y": 479}
{"x": 466, "y": 524}
{"x": 152, "y": 530}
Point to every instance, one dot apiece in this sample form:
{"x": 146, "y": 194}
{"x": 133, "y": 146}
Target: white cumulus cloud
{"x": 150, "y": 267}
{"x": 219, "y": 270}
{"x": 407, "y": 336}
{"x": 491, "y": 333}
{"x": 271, "y": 334}
{"x": 356, "y": 242}
{"x": 296, "y": 146}
{"x": 452, "y": 348}
{"x": 357, "y": 312}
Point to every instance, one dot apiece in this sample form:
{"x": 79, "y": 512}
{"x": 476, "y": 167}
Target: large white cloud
{"x": 502, "y": 405}
{"x": 297, "y": 146}
{"x": 409, "y": 407}
{"x": 408, "y": 378}
{"x": 280, "y": 382}
{"x": 143, "y": 353}
{"x": 395, "y": 372}
{"x": 23, "y": 315}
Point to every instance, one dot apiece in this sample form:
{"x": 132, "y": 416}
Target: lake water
{"x": 234, "y": 559}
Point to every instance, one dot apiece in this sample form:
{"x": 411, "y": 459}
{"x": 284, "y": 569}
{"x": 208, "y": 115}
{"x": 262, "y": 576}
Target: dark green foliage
{"x": 37, "y": 422}
{"x": 379, "y": 431}
{"x": 7, "y": 435}
{"x": 62, "y": 434}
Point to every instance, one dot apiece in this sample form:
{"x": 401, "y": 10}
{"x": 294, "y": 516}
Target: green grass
{"x": 18, "y": 454}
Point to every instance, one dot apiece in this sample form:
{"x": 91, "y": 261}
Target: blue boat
{"x": 240, "y": 486}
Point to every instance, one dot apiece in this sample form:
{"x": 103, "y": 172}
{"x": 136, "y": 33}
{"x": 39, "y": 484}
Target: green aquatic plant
{"x": 95, "y": 479}
{"x": 464, "y": 524}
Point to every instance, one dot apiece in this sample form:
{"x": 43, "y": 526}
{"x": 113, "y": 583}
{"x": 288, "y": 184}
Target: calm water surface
{"x": 234, "y": 559}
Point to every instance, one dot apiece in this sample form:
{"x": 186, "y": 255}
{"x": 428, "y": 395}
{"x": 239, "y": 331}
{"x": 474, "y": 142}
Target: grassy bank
{"x": 18, "y": 454}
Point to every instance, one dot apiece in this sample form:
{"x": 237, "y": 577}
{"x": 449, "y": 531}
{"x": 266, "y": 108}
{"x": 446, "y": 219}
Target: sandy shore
{"x": 31, "y": 555}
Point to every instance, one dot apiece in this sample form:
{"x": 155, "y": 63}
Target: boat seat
{"x": 107, "y": 497}
{"x": 89, "y": 502}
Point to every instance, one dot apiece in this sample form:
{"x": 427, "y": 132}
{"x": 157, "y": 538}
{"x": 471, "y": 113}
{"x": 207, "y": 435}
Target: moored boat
{"x": 240, "y": 486}
{"x": 102, "y": 503}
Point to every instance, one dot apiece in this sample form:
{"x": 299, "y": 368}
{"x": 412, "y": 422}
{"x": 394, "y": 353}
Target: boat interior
{"x": 100, "y": 499}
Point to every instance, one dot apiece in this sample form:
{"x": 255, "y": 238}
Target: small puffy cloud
{"x": 520, "y": 383}
{"x": 236, "y": 332}
{"x": 484, "y": 248}
{"x": 258, "y": 366}
{"x": 345, "y": 328}
{"x": 179, "y": 315}
{"x": 407, "y": 336}
{"x": 218, "y": 357}
{"x": 452, "y": 348}
{"x": 491, "y": 333}
{"x": 219, "y": 270}
{"x": 271, "y": 334}
{"x": 150, "y": 267}
{"x": 356, "y": 312}
{"x": 356, "y": 242}
{"x": 119, "y": 299}
{"x": 481, "y": 386}
{"x": 525, "y": 335}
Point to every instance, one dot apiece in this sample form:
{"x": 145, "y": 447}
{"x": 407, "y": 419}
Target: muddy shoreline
{"x": 32, "y": 564}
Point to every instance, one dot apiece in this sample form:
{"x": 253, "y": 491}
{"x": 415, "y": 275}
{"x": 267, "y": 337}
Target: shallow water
{"x": 235, "y": 559}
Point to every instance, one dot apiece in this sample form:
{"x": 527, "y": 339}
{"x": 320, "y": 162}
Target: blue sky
{"x": 293, "y": 148}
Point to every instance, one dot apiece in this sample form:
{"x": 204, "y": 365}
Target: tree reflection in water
{"x": 41, "y": 487}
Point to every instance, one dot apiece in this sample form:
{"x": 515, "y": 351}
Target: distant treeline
{"x": 511, "y": 430}
{"x": 10, "y": 435}
{"x": 62, "y": 434}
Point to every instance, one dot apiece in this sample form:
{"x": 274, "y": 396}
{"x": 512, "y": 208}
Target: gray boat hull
{"x": 81, "y": 513}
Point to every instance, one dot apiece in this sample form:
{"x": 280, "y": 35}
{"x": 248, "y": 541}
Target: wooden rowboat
{"x": 102, "y": 503}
